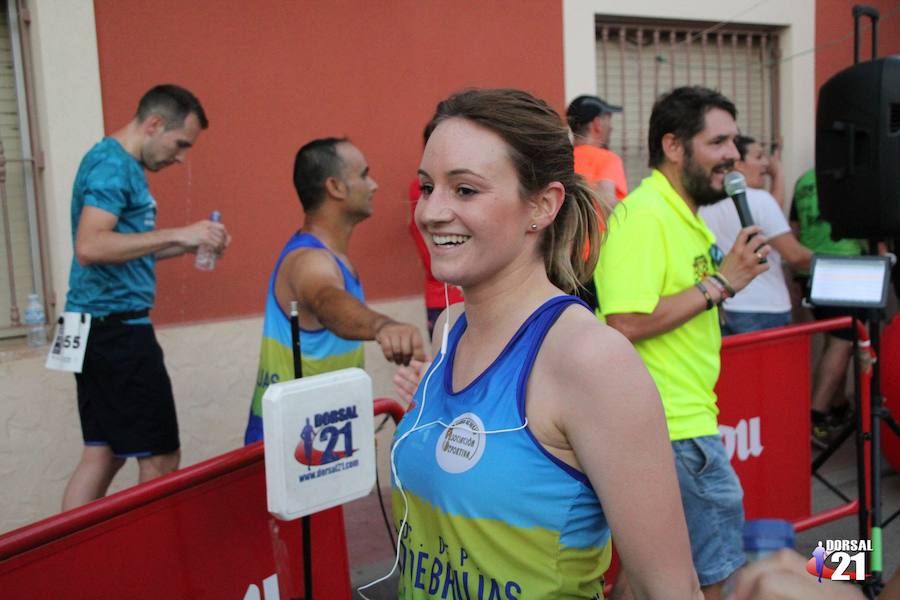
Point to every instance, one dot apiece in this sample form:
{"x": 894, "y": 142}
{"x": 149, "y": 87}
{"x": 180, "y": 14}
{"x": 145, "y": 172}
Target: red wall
{"x": 274, "y": 74}
{"x": 834, "y": 34}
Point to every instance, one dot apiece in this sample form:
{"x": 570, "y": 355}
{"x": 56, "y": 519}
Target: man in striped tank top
{"x": 335, "y": 189}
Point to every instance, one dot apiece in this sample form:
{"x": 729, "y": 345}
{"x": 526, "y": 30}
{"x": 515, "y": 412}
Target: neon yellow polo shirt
{"x": 657, "y": 247}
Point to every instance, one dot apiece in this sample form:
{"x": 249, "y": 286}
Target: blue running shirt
{"x": 112, "y": 180}
{"x": 494, "y": 516}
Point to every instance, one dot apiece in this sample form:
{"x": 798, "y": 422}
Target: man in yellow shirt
{"x": 660, "y": 279}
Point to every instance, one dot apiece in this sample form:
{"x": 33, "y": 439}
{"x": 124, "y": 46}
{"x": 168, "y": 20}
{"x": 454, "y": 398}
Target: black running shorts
{"x": 125, "y": 396}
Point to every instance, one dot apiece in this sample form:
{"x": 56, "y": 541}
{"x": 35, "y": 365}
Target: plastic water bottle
{"x": 36, "y": 321}
{"x": 763, "y": 537}
{"x": 206, "y": 256}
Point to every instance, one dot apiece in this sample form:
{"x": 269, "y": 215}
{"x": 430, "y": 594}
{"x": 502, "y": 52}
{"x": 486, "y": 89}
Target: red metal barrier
{"x": 890, "y": 389}
{"x": 764, "y": 398}
{"x": 201, "y": 532}
{"x": 764, "y": 395}
{"x": 204, "y": 531}
{"x": 389, "y": 407}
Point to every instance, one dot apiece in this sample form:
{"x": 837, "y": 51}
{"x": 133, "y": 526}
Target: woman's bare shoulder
{"x": 581, "y": 353}
{"x": 579, "y": 336}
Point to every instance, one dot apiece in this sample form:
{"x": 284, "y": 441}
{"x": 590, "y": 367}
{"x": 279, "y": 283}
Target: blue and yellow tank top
{"x": 320, "y": 351}
{"x": 493, "y": 516}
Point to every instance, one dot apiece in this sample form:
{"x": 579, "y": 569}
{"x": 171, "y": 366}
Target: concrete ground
{"x": 372, "y": 557}
{"x": 369, "y": 547}
{"x": 840, "y": 471}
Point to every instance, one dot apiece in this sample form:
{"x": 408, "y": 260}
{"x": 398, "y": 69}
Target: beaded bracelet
{"x": 709, "y": 301}
{"x": 723, "y": 293}
{"x": 721, "y": 279}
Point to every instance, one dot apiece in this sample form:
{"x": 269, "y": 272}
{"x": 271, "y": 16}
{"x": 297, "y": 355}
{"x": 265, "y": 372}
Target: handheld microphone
{"x": 736, "y": 187}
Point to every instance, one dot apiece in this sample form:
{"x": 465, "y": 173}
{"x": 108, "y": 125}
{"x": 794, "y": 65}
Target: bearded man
{"x": 660, "y": 280}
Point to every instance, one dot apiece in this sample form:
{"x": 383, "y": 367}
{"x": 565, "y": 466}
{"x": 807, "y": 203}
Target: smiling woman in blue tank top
{"x": 536, "y": 434}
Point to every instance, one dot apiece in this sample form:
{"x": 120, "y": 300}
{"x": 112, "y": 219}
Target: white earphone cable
{"x": 416, "y": 427}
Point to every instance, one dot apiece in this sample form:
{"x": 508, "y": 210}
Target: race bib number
{"x": 67, "y": 351}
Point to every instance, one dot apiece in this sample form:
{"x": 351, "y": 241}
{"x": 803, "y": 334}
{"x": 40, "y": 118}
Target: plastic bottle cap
{"x": 215, "y": 216}
{"x": 768, "y": 534}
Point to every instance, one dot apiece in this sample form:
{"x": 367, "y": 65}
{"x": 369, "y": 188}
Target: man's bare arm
{"x": 671, "y": 312}
{"x": 739, "y": 268}
{"x": 314, "y": 279}
{"x": 97, "y": 243}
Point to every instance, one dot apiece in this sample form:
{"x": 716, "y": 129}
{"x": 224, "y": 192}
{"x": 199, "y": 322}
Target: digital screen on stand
{"x": 857, "y": 281}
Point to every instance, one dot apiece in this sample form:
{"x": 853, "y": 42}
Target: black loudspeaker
{"x": 858, "y": 150}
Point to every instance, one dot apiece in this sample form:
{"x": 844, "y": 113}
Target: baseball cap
{"x": 586, "y": 107}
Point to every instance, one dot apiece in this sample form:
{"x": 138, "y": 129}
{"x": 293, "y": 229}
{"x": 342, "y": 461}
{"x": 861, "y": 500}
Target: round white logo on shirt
{"x": 461, "y": 445}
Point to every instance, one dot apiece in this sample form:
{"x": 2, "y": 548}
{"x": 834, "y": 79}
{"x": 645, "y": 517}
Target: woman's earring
{"x": 534, "y": 226}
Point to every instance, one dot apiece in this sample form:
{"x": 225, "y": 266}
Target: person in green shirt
{"x": 660, "y": 278}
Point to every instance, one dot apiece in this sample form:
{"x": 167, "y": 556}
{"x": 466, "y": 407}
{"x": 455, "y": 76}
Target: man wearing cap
{"x": 590, "y": 119}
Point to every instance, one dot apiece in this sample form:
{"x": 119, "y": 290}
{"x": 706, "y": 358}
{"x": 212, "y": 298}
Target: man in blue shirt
{"x": 125, "y": 397}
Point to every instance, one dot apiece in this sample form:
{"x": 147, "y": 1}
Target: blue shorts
{"x": 713, "y": 506}
{"x": 745, "y": 322}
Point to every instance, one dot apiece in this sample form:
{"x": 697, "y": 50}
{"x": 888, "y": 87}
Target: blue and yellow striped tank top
{"x": 321, "y": 350}
{"x": 493, "y": 516}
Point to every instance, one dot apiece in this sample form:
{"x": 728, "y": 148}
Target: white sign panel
{"x": 319, "y": 442}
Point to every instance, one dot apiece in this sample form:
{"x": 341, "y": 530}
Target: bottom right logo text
{"x": 839, "y": 560}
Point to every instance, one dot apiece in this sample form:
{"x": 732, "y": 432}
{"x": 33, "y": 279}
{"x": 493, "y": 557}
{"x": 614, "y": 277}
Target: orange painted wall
{"x": 834, "y": 34}
{"x": 273, "y": 74}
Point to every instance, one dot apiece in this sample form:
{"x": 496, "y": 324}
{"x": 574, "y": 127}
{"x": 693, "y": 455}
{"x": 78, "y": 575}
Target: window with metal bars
{"x": 22, "y": 258}
{"x": 639, "y": 60}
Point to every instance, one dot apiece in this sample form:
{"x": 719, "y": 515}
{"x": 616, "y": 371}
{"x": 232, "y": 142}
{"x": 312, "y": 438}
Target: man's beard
{"x": 696, "y": 181}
